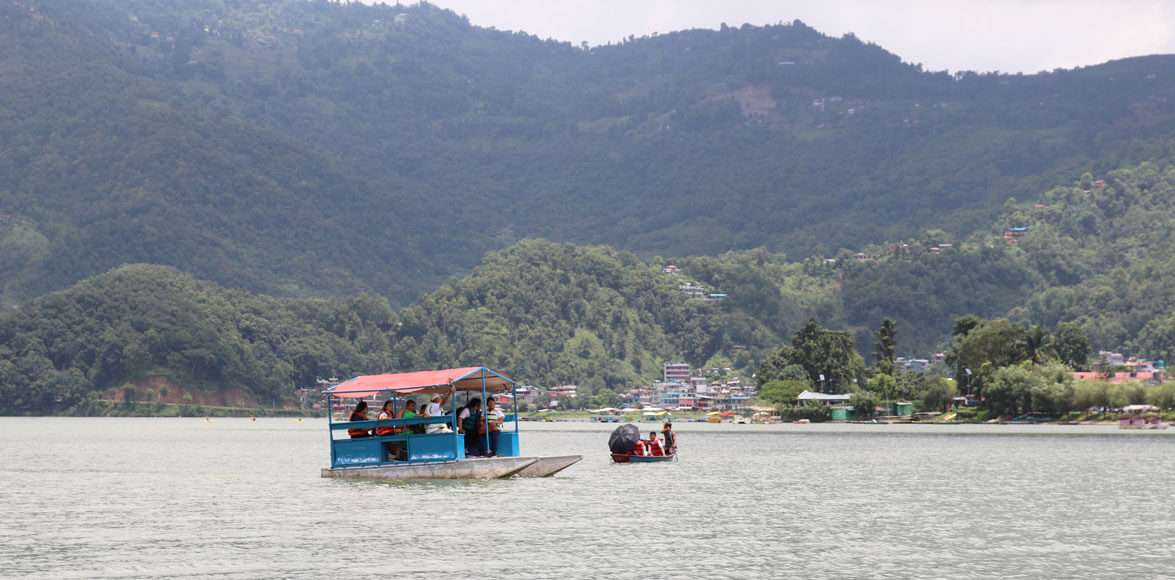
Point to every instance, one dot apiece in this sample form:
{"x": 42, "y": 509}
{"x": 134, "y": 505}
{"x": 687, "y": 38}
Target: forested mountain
{"x": 551, "y": 313}
{"x": 60, "y": 350}
{"x": 308, "y": 148}
{"x": 1095, "y": 254}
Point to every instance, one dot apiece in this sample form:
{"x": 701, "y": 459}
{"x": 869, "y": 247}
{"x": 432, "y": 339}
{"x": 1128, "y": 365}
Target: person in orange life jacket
{"x": 655, "y": 445}
{"x": 384, "y": 414}
{"x": 359, "y": 414}
{"x": 639, "y": 448}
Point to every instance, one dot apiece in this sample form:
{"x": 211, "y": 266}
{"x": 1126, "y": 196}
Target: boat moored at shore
{"x": 1141, "y": 417}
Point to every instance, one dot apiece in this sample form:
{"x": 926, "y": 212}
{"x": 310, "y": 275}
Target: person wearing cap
{"x": 434, "y": 408}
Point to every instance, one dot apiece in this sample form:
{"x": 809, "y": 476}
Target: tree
{"x": 885, "y": 351}
{"x": 936, "y": 393}
{"x": 1071, "y": 345}
{"x": 827, "y": 356}
{"x": 1035, "y": 343}
{"x": 885, "y": 386}
{"x": 782, "y": 392}
{"x": 864, "y": 404}
{"x": 987, "y": 347}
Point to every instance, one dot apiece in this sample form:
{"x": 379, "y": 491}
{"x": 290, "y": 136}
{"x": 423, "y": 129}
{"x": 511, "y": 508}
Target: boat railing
{"x": 443, "y": 420}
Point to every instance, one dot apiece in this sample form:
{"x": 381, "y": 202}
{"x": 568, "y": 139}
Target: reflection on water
{"x": 239, "y": 499}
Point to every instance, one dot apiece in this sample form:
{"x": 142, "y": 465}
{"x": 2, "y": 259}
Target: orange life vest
{"x": 655, "y": 448}
{"x": 639, "y": 448}
{"x": 355, "y": 433}
{"x": 379, "y": 431}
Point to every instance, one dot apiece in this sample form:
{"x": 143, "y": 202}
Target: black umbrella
{"x": 624, "y": 438}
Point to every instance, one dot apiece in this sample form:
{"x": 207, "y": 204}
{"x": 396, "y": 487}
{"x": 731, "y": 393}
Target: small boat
{"x": 625, "y": 446}
{"x": 1141, "y": 417}
{"x": 426, "y": 447}
{"x": 632, "y": 458}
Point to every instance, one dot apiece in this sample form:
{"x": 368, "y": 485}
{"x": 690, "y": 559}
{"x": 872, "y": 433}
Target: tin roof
{"x": 461, "y": 379}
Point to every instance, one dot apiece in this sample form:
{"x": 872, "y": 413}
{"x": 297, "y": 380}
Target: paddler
{"x": 670, "y": 438}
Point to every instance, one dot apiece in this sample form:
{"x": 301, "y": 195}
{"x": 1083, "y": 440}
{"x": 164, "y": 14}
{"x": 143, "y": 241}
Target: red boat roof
{"x": 461, "y": 379}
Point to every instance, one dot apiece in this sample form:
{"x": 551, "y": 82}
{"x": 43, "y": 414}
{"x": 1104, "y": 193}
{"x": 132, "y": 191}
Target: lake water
{"x": 232, "y": 498}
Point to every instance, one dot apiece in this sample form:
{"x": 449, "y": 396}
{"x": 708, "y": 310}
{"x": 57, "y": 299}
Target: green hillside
{"x": 310, "y": 148}
{"x": 550, "y": 313}
{"x": 1093, "y": 255}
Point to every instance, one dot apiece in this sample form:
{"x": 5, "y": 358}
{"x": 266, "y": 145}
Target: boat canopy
{"x": 459, "y": 379}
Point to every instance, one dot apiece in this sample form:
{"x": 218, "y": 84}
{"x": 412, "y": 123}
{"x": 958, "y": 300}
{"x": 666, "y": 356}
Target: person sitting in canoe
{"x": 639, "y": 448}
{"x": 359, "y": 414}
{"x": 670, "y": 438}
{"x": 654, "y": 445}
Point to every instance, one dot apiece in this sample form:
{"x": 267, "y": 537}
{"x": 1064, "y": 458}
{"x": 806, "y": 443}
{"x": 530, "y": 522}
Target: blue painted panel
{"x": 357, "y": 452}
{"x": 440, "y": 447}
{"x": 508, "y": 444}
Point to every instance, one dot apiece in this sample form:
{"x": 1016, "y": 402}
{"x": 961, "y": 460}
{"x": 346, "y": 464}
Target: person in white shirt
{"x": 434, "y": 409}
{"x": 495, "y": 417}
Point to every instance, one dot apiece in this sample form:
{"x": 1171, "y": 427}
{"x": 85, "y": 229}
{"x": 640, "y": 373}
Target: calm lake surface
{"x": 232, "y": 498}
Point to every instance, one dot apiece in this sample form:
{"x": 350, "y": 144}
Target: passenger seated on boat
{"x": 461, "y": 416}
{"x": 494, "y": 414}
{"x": 655, "y": 445}
{"x": 639, "y": 448}
{"x": 384, "y": 414}
{"x": 409, "y": 412}
{"x": 471, "y": 424}
{"x": 359, "y": 414}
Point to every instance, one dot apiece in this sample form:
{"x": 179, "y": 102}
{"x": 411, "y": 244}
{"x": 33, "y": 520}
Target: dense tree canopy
{"x": 307, "y": 147}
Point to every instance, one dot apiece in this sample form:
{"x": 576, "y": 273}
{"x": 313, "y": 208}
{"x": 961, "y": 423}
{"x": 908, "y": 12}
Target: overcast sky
{"x": 983, "y": 35}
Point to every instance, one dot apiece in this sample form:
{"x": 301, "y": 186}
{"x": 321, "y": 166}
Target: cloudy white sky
{"x": 1004, "y": 35}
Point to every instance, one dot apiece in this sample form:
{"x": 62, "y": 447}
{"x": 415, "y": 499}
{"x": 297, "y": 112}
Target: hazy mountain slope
{"x": 311, "y": 147}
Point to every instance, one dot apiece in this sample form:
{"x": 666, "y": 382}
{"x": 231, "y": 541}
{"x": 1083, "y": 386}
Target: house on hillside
{"x": 693, "y": 290}
{"x": 1013, "y": 234}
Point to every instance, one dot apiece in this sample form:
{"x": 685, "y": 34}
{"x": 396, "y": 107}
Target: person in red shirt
{"x": 654, "y": 445}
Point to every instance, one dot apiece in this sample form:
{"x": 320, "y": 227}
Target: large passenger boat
{"x": 403, "y": 451}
